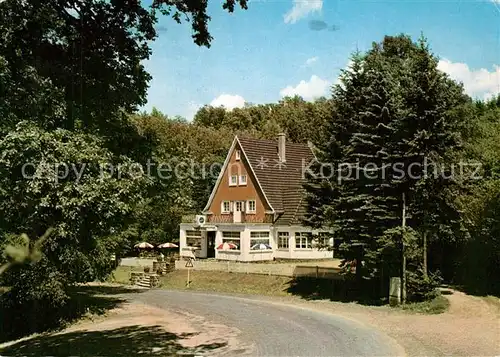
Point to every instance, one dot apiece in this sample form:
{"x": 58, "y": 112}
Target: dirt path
{"x": 134, "y": 329}
{"x": 471, "y": 326}
{"x": 194, "y": 332}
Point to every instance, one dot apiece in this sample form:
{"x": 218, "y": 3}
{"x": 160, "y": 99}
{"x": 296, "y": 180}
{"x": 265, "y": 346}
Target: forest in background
{"x": 53, "y": 113}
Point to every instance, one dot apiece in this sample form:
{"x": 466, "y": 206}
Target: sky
{"x": 280, "y": 48}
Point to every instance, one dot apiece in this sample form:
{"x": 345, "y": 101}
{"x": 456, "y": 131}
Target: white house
{"x": 258, "y": 206}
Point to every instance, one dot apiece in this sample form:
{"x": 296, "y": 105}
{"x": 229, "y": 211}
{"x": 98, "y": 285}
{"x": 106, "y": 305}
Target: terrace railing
{"x": 229, "y": 218}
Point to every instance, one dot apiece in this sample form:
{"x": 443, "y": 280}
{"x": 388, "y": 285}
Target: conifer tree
{"x": 393, "y": 111}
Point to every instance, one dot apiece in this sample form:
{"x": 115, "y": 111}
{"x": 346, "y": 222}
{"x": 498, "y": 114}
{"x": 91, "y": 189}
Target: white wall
{"x": 201, "y": 253}
{"x": 245, "y": 254}
{"x": 301, "y": 253}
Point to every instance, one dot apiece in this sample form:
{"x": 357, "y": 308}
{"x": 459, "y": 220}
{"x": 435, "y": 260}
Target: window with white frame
{"x": 193, "y": 238}
{"x": 283, "y": 240}
{"x": 259, "y": 240}
{"x": 226, "y": 206}
{"x": 251, "y": 206}
{"x": 233, "y": 180}
{"x": 238, "y": 154}
{"x": 243, "y": 180}
{"x": 303, "y": 240}
{"x": 232, "y": 237}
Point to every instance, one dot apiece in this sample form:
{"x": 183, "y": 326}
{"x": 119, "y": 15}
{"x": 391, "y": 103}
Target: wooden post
{"x": 403, "y": 258}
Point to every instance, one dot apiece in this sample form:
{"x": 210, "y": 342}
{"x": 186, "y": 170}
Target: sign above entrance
{"x": 211, "y": 228}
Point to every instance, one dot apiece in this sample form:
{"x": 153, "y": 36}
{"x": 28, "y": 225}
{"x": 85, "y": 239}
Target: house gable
{"x": 223, "y": 191}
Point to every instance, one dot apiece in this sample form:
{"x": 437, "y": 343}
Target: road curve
{"x": 278, "y": 329}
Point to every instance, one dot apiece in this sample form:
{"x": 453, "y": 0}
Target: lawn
{"x": 227, "y": 282}
{"x": 122, "y": 274}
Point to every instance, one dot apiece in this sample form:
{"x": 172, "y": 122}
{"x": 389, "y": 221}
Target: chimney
{"x": 281, "y": 147}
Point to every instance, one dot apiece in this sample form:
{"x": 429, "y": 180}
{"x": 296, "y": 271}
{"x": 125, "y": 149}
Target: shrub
{"x": 421, "y": 288}
{"x": 147, "y": 269}
{"x": 35, "y": 301}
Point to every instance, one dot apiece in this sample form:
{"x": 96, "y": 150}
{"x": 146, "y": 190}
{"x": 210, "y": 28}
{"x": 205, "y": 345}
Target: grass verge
{"x": 492, "y": 300}
{"x": 227, "y": 282}
{"x": 438, "y": 305}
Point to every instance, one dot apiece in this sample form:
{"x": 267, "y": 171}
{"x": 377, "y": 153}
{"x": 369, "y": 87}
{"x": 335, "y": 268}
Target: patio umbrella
{"x": 168, "y": 245}
{"x": 227, "y": 246}
{"x": 143, "y": 245}
{"x": 261, "y": 246}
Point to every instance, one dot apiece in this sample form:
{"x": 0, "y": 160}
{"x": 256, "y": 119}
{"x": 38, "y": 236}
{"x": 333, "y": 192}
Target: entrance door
{"x": 210, "y": 244}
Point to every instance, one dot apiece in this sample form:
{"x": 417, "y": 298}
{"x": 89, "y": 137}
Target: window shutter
{"x": 231, "y": 206}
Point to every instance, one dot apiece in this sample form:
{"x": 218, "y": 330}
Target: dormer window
{"x": 238, "y": 155}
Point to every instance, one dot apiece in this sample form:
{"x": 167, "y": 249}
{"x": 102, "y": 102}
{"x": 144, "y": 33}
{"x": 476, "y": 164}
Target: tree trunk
{"x": 425, "y": 253}
{"x": 403, "y": 258}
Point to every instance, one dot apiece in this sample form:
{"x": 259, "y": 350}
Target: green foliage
{"x": 437, "y": 305}
{"x": 191, "y": 157}
{"x": 301, "y": 120}
{"x": 478, "y": 260}
{"x": 393, "y": 110}
{"x": 81, "y": 201}
{"x": 71, "y": 158}
{"x": 33, "y": 302}
{"x": 24, "y": 252}
{"x": 421, "y": 287}
{"x": 83, "y": 60}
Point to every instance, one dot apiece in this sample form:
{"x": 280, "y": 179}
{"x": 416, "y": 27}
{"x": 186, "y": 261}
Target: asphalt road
{"x": 278, "y": 329}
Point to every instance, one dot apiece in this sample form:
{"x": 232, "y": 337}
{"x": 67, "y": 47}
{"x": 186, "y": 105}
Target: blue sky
{"x": 269, "y": 51}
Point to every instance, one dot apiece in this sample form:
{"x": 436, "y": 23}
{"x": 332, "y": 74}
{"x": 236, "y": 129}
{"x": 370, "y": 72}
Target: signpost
{"x": 189, "y": 265}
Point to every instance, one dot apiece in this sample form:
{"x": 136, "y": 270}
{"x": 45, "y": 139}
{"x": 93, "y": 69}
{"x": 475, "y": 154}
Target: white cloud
{"x": 228, "y": 101}
{"x": 314, "y": 88}
{"x": 191, "y": 110}
{"x": 480, "y": 83}
{"x": 311, "y": 60}
{"x": 302, "y": 8}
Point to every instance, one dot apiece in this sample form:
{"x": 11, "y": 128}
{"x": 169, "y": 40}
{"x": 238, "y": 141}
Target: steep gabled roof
{"x": 280, "y": 182}
{"x": 223, "y": 170}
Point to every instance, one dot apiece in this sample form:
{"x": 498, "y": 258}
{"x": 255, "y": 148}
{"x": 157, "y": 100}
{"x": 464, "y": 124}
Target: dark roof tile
{"x": 281, "y": 182}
